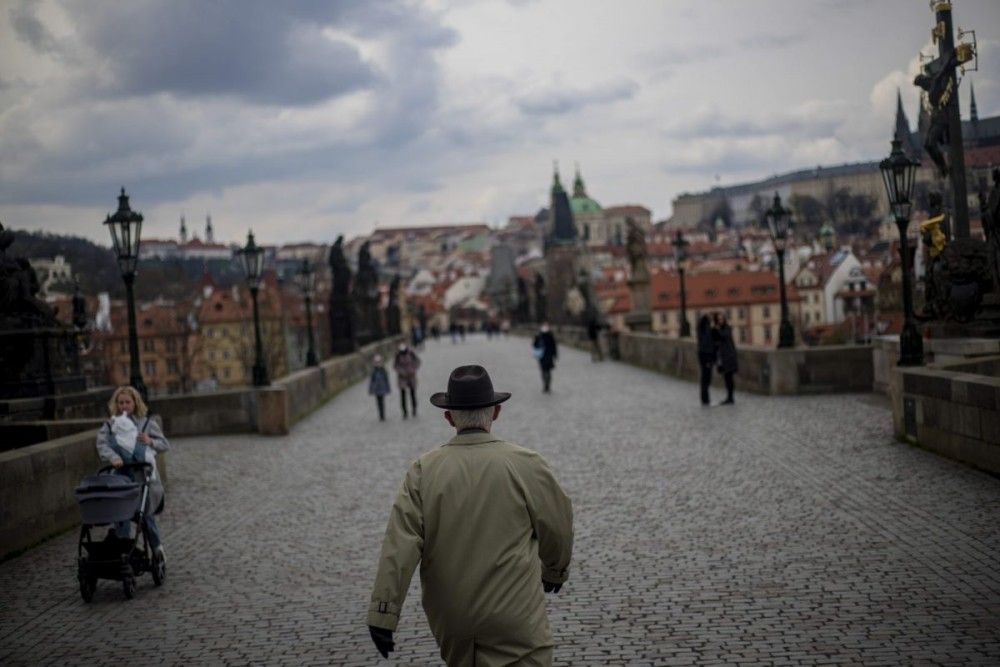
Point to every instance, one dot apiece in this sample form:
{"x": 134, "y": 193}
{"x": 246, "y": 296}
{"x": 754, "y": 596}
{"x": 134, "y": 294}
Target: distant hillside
{"x": 98, "y": 271}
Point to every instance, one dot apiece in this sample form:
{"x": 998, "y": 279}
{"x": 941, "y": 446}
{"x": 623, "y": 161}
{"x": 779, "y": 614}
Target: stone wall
{"x": 952, "y": 410}
{"x": 37, "y": 484}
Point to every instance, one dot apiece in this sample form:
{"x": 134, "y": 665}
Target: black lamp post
{"x": 680, "y": 257}
{"x": 252, "y": 259}
{"x": 126, "y": 228}
{"x": 779, "y": 224}
{"x": 898, "y": 172}
{"x": 307, "y": 280}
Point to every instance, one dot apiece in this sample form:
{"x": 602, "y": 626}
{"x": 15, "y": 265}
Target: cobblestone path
{"x": 780, "y": 531}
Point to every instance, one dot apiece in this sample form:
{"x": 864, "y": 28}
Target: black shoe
{"x": 728, "y": 401}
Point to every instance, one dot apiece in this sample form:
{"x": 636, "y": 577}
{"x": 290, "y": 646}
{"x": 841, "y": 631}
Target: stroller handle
{"x": 134, "y": 465}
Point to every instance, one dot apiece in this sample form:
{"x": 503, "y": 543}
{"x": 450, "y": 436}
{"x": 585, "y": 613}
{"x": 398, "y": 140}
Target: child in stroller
{"x": 133, "y": 495}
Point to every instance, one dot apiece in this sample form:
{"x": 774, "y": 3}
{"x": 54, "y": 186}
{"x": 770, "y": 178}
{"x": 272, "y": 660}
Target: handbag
{"x": 538, "y": 351}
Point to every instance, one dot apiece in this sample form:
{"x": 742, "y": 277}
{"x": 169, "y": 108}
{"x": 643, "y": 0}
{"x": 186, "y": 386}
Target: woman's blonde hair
{"x": 140, "y": 405}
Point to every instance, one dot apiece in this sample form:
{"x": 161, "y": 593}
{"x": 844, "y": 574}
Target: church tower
{"x": 973, "y": 113}
{"x": 209, "y": 232}
{"x": 184, "y": 231}
{"x": 562, "y": 230}
{"x": 562, "y": 255}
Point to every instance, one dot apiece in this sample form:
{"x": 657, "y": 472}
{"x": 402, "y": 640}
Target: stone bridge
{"x": 780, "y": 531}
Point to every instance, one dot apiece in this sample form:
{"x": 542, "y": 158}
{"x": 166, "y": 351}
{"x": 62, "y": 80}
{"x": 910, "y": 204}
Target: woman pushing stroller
{"x": 130, "y": 436}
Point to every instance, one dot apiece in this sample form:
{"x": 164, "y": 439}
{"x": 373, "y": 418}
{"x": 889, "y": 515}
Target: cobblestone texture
{"x": 781, "y": 531}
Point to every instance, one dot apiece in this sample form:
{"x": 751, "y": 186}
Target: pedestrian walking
{"x": 728, "y": 365}
{"x": 492, "y": 531}
{"x": 546, "y": 352}
{"x": 406, "y": 364}
{"x": 378, "y": 384}
{"x": 594, "y": 334}
{"x": 707, "y": 355}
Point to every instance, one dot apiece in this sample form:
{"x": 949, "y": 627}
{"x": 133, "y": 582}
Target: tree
{"x": 808, "y": 211}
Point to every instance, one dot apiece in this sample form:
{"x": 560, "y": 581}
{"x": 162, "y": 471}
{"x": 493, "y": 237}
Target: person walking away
{"x": 131, "y": 436}
{"x": 546, "y": 352}
{"x": 378, "y": 384}
{"x": 492, "y": 531}
{"x": 707, "y": 355}
{"x": 728, "y": 365}
{"x": 406, "y": 364}
{"x": 594, "y": 334}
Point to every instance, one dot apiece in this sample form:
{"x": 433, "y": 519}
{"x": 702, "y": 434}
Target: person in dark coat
{"x": 378, "y": 384}
{"x": 594, "y": 334}
{"x": 728, "y": 365}
{"x": 707, "y": 355}
{"x": 546, "y": 352}
{"x": 406, "y": 364}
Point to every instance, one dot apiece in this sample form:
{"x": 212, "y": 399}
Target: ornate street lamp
{"x": 252, "y": 260}
{"x": 307, "y": 281}
{"x": 680, "y": 258}
{"x": 898, "y": 172}
{"x": 126, "y": 229}
{"x": 779, "y": 224}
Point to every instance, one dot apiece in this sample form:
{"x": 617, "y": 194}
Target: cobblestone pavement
{"x": 780, "y": 531}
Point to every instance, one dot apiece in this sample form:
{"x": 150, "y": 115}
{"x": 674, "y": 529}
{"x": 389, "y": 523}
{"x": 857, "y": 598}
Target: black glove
{"x": 383, "y": 640}
{"x": 550, "y": 587}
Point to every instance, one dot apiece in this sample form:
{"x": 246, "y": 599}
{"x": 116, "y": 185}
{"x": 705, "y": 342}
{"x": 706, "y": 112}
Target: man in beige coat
{"x": 491, "y": 528}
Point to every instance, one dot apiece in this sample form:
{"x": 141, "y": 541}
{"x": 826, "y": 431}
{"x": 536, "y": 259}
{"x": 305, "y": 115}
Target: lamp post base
{"x": 311, "y": 359}
{"x": 786, "y": 335}
{"x": 911, "y": 346}
{"x": 685, "y": 328}
{"x": 260, "y": 378}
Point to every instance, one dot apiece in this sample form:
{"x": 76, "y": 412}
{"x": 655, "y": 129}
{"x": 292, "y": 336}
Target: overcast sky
{"x": 309, "y": 119}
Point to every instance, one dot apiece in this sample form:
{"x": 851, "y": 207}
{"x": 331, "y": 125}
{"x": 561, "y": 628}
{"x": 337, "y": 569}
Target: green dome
{"x": 584, "y": 205}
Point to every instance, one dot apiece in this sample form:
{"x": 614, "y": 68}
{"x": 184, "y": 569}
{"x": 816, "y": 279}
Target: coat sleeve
{"x": 401, "y": 550}
{"x": 551, "y": 515}
{"x": 153, "y": 430}
{"x": 104, "y": 450}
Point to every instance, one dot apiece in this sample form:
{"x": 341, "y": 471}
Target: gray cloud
{"x": 29, "y": 28}
{"x": 555, "y": 99}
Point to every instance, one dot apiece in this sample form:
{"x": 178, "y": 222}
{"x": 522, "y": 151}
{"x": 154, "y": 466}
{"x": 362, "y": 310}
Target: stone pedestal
{"x": 640, "y": 319}
{"x": 341, "y": 325}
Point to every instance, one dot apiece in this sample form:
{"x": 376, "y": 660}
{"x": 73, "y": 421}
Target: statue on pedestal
{"x": 990, "y": 210}
{"x": 539, "y": 298}
{"x": 341, "y": 307}
{"x": 366, "y": 297}
{"x": 392, "y": 315}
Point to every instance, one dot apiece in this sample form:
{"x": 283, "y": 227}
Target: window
{"x": 225, "y": 354}
{"x": 807, "y": 318}
{"x": 711, "y": 293}
{"x": 172, "y": 366}
{"x": 124, "y": 370}
{"x": 123, "y": 347}
{"x": 211, "y": 355}
{"x": 766, "y": 312}
{"x": 767, "y": 334}
{"x": 743, "y": 334}
{"x": 741, "y": 313}
{"x": 734, "y": 291}
{"x": 663, "y": 318}
{"x": 148, "y": 345}
{"x": 171, "y": 344}
{"x": 150, "y": 368}
{"x": 225, "y": 373}
{"x": 586, "y": 232}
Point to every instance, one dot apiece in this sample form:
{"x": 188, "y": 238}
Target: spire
{"x": 579, "y": 189}
{"x": 209, "y": 233}
{"x": 902, "y": 131}
{"x": 973, "y": 112}
{"x": 556, "y": 185}
{"x": 184, "y": 230}
{"x": 561, "y": 226}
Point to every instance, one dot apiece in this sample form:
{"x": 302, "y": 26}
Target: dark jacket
{"x": 727, "y": 350}
{"x": 378, "y": 384}
{"x": 550, "y": 353}
{"x": 707, "y": 343}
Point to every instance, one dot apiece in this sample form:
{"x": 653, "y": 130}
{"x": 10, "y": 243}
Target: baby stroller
{"x": 106, "y": 499}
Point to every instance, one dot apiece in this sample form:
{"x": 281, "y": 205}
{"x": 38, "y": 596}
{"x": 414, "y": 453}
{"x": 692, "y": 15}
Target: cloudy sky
{"x": 313, "y": 118}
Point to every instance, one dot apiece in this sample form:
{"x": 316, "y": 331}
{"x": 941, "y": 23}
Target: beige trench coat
{"x": 487, "y": 521}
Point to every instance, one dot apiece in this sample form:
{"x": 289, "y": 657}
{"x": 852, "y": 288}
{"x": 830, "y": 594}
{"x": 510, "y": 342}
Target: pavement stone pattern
{"x": 779, "y": 531}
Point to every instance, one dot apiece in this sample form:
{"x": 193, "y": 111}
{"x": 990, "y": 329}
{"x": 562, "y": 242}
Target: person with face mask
{"x": 406, "y": 364}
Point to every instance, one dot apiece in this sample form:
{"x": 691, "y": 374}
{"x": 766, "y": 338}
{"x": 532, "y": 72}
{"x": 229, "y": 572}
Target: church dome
{"x": 580, "y": 202}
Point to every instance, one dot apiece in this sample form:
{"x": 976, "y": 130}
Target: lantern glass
{"x": 252, "y": 261}
{"x": 126, "y": 233}
{"x": 898, "y": 175}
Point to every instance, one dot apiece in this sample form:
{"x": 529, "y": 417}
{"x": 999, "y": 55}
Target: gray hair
{"x": 478, "y": 418}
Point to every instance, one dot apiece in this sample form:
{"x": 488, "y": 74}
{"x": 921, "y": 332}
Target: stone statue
{"x": 636, "y": 248}
{"x": 990, "y": 209}
{"x": 366, "y": 281}
{"x": 79, "y": 308}
{"x": 392, "y": 314}
{"x": 523, "y": 311}
{"x": 937, "y": 81}
{"x": 539, "y": 298}
{"x": 366, "y": 297}
{"x": 339, "y": 269}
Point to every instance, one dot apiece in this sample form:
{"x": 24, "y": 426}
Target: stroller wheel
{"x": 87, "y": 587}
{"x": 128, "y": 587}
{"x": 159, "y": 569}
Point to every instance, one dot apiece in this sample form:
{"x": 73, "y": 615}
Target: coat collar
{"x": 472, "y": 438}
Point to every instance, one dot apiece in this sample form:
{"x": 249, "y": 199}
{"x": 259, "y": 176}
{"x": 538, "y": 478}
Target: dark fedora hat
{"x": 469, "y": 388}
